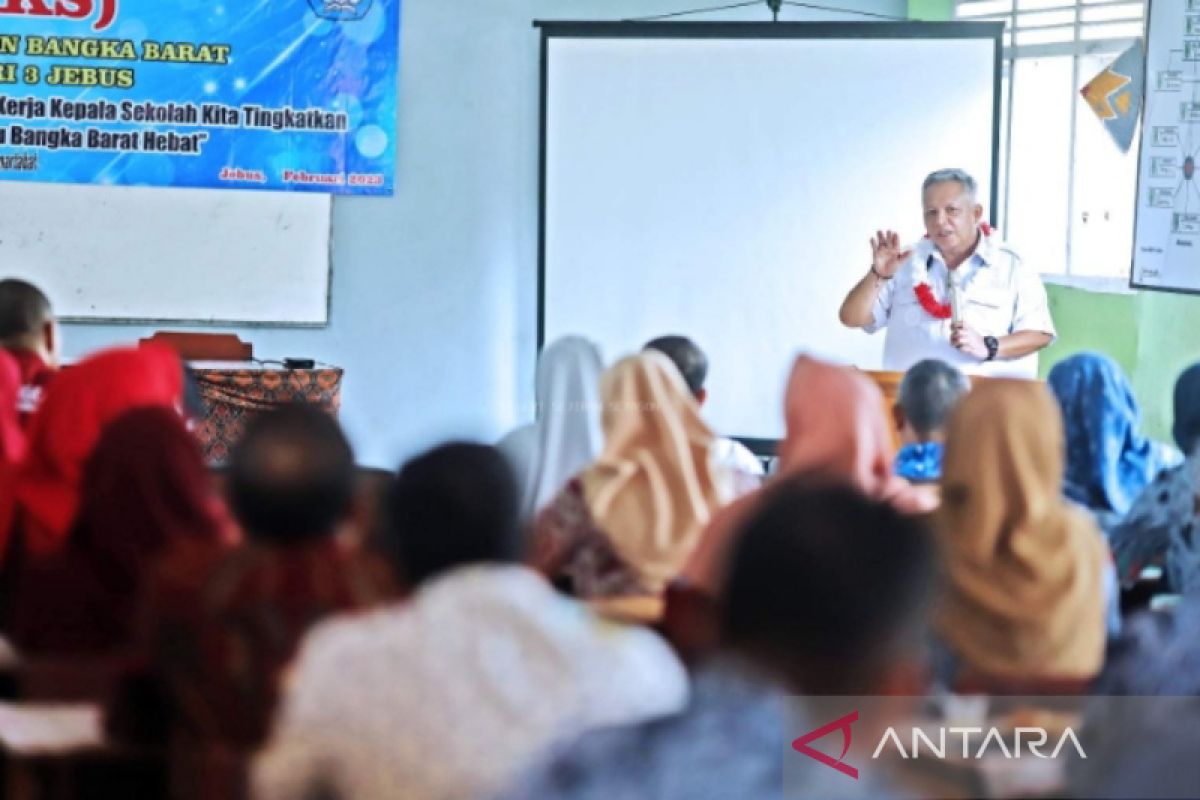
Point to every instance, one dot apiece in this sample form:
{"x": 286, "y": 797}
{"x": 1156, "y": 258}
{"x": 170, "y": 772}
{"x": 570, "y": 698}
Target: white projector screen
{"x": 723, "y": 182}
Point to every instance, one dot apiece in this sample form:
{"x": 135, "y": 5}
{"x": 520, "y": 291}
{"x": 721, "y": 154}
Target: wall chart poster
{"x": 289, "y": 95}
{"x": 1166, "y": 247}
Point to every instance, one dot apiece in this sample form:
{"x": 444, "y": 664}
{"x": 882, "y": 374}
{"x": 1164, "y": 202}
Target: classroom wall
{"x": 433, "y": 311}
{"x": 1153, "y": 335}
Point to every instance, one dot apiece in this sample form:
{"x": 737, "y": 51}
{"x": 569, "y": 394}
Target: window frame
{"x": 1077, "y": 48}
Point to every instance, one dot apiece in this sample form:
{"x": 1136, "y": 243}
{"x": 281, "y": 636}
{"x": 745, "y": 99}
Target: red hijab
{"x": 144, "y": 487}
{"x": 12, "y": 438}
{"x": 78, "y": 403}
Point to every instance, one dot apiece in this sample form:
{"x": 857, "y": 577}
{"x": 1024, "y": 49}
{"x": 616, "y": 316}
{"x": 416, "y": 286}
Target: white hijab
{"x": 567, "y": 436}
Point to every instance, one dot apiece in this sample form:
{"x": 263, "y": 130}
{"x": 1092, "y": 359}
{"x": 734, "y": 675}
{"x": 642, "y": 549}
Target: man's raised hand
{"x": 886, "y": 255}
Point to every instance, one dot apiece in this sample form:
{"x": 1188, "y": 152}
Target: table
{"x": 233, "y": 392}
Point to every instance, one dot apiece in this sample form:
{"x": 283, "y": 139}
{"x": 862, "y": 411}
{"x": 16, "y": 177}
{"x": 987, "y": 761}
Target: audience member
{"x": 143, "y": 487}
{"x": 692, "y": 363}
{"x": 1140, "y": 729}
{"x": 928, "y": 393}
{"x": 451, "y": 694}
{"x": 1025, "y": 567}
{"x": 29, "y": 333}
{"x": 1109, "y": 461}
{"x": 795, "y": 621}
{"x": 566, "y": 435}
{"x": 1164, "y": 524}
{"x": 835, "y": 427}
{"x": 221, "y": 626}
{"x": 627, "y": 524}
{"x": 12, "y": 437}
{"x": 75, "y": 409}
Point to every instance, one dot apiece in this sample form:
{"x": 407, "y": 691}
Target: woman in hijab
{"x": 1164, "y": 523}
{"x": 144, "y": 488}
{"x": 1109, "y": 461}
{"x": 78, "y": 404}
{"x": 836, "y": 431}
{"x": 626, "y": 526}
{"x": 566, "y": 436}
{"x": 12, "y": 438}
{"x": 1024, "y": 602}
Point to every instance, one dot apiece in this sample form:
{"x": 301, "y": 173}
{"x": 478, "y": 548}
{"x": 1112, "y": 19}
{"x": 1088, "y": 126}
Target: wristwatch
{"x": 993, "y": 347}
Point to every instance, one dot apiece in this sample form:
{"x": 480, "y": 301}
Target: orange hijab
{"x": 836, "y": 430}
{"x": 655, "y": 485}
{"x": 1025, "y": 596}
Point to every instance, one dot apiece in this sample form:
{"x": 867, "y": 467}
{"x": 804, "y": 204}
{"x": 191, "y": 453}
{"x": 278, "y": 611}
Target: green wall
{"x": 931, "y": 10}
{"x": 1153, "y": 335}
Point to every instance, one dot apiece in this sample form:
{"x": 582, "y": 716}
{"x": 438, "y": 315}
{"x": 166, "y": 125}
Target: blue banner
{"x": 237, "y": 94}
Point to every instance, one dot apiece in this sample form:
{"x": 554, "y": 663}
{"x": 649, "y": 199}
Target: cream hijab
{"x": 656, "y": 484}
{"x": 1025, "y": 597}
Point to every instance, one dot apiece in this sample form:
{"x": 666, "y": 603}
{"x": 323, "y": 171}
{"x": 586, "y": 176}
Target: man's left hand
{"x": 966, "y": 340}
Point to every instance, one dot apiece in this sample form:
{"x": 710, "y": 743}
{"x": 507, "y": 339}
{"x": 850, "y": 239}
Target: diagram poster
{"x": 1166, "y": 250}
{"x": 291, "y": 95}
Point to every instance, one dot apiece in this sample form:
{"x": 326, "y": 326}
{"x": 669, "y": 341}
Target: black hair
{"x": 687, "y": 356}
{"x": 824, "y": 582}
{"x": 451, "y": 506}
{"x": 291, "y": 477}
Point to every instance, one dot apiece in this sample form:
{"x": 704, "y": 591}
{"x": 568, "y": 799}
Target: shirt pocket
{"x": 989, "y": 311}
{"x": 906, "y": 309}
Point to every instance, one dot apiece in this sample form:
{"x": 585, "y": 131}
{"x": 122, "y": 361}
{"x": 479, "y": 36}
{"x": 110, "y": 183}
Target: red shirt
{"x": 35, "y": 375}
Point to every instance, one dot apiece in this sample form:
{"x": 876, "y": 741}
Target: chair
{"x": 204, "y": 346}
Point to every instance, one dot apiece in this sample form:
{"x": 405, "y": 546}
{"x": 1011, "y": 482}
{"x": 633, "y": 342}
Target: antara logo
{"x": 105, "y": 10}
{"x": 800, "y": 745}
{"x": 994, "y": 742}
{"x": 1024, "y": 741}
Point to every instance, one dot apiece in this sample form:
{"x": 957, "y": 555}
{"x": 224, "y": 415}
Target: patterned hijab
{"x": 655, "y": 485}
{"x": 566, "y": 436}
{"x": 1109, "y": 461}
{"x": 1025, "y": 595}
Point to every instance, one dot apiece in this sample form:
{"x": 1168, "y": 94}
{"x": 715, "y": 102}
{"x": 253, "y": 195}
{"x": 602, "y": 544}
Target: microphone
{"x": 955, "y": 297}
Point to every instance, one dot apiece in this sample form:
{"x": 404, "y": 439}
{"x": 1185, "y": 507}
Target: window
{"x": 1066, "y": 192}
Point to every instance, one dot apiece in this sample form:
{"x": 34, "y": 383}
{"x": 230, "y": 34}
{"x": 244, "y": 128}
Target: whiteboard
{"x": 1166, "y": 240}
{"x": 141, "y": 253}
{"x": 725, "y": 187}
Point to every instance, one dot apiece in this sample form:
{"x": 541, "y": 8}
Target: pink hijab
{"x": 836, "y": 430}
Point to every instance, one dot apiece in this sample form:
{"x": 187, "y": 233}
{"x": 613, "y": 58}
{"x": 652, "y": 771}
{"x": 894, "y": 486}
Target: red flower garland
{"x": 932, "y": 306}
{"x": 924, "y": 291}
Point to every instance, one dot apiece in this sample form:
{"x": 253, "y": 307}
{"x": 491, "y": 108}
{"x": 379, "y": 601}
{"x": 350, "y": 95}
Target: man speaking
{"x": 960, "y": 295}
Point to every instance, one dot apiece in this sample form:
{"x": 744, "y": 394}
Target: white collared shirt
{"x": 1003, "y": 295}
{"x": 454, "y": 693}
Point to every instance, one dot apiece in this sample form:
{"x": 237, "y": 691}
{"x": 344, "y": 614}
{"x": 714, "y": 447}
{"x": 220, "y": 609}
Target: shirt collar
{"x": 984, "y": 255}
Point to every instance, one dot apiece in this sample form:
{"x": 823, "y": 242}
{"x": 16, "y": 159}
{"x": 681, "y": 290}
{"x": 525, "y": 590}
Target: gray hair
{"x": 928, "y": 393}
{"x": 955, "y": 175}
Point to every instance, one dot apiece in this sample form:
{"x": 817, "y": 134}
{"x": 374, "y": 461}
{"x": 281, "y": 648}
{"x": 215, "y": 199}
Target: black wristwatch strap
{"x": 993, "y": 347}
